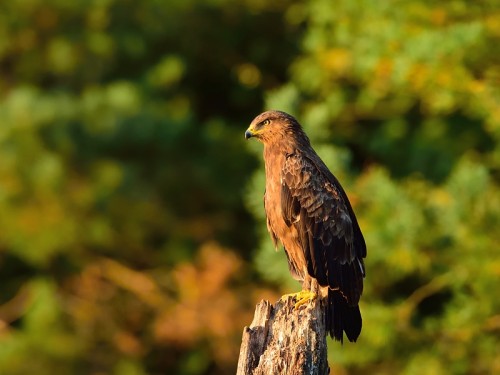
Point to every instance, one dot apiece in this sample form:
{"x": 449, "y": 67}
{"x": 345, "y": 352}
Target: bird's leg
{"x": 307, "y": 294}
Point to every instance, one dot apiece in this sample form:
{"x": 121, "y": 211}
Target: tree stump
{"x": 283, "y": 339}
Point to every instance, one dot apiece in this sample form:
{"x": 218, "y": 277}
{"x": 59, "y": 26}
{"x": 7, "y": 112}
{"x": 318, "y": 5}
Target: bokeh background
{"x": 132, "y": 238}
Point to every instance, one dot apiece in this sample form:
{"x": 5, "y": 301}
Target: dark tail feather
{"x": 340, "y": 318}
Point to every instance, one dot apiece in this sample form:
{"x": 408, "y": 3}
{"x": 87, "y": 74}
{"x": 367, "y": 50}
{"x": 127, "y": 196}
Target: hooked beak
{"x": 249, "y": 133}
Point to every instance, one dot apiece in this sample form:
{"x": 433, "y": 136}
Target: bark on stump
{"x": 283, "y": 339}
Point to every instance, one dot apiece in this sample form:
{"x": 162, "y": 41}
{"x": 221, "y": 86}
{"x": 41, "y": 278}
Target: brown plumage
{"x": 309, "y": 213}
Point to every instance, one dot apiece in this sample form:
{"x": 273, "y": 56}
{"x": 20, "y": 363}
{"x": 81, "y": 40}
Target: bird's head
{"x": 273, "y": 126}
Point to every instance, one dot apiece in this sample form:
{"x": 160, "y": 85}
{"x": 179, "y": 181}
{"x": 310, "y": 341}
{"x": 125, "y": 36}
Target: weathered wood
{"x": 283, "y": 339}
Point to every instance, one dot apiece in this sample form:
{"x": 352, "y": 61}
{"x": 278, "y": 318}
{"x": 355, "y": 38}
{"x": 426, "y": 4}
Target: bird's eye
{"x": 266, "y": 122}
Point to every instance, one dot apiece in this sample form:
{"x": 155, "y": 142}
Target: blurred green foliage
{"x": 133, "y": 239}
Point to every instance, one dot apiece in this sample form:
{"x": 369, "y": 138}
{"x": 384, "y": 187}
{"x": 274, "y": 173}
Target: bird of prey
{"x": 309, "y": 213}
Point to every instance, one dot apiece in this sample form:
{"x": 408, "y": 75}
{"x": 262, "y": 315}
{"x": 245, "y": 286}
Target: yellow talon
{"x": 301, "y": 298}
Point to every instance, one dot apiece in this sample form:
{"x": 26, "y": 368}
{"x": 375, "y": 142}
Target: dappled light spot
{"x": 248, "y": 75}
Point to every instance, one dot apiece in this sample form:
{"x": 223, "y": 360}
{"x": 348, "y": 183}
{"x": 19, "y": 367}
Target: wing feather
{"x": 313, "y": 201}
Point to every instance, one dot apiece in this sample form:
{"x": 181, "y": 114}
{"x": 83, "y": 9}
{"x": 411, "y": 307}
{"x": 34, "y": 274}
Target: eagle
{"x": 308, "y": 212}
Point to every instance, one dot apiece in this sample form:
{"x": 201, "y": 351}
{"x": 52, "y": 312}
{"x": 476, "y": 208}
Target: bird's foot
{"x": 301, "y": 298}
